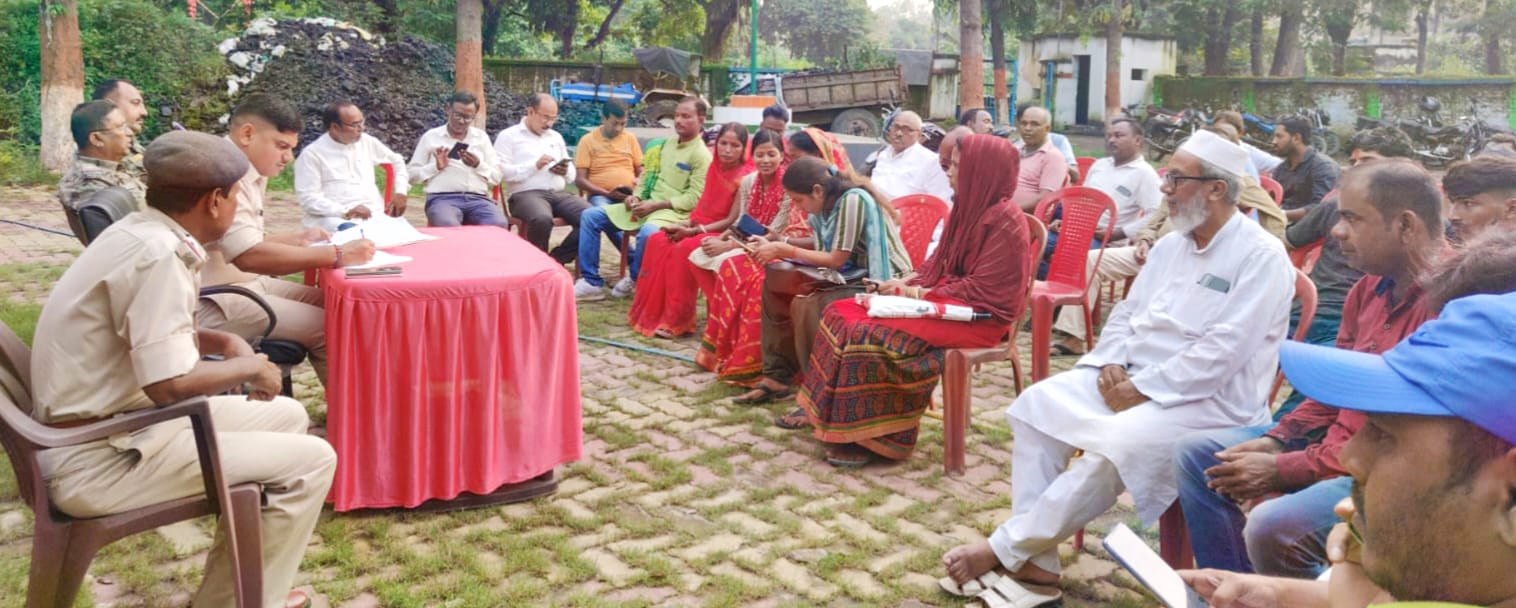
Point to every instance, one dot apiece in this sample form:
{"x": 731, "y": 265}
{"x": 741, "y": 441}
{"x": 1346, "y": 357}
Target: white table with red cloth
{"x": 459, "y": 375}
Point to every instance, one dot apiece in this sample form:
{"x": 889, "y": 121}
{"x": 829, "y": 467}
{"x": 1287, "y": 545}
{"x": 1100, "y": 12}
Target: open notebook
{"x": 386, "y": 232}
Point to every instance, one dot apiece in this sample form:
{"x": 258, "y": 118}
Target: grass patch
{"x": 21, "y": 317}
{"x": 21, "y": 165}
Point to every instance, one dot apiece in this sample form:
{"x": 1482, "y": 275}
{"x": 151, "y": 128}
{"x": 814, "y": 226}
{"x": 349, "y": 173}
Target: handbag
{"x": 787, "y": 277}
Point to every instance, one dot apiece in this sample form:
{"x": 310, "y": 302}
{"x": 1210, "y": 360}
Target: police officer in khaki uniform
{"x": 104, "y": 137}
{"x": 266, "y": 130}
{"x": 117, "y": 334}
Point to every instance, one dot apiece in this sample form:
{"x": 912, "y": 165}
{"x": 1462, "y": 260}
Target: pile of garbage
{"x": 401, "y": 86}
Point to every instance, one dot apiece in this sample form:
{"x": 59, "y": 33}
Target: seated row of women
{"x": 784, "y": 298}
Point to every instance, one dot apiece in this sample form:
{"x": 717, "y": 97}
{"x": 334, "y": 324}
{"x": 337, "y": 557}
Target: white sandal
{"x": 1007, "y": 593}
{"x": 973, "y": 587}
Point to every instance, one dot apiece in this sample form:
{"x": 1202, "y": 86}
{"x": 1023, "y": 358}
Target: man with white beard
{"x": 1193, "y": 347}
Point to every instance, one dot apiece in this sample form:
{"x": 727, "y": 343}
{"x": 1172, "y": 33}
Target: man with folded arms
{"x": 1193, "y": 347}
{"x": 334, "y": 175}
{"x": 535, "y": 164}
{"x": 118, "y": 335}
{"x": 266, "y": 130}
{"x": 1391, "y": 229}
{"x": 1434, "y": 467}
{"x": 457, "y": 165}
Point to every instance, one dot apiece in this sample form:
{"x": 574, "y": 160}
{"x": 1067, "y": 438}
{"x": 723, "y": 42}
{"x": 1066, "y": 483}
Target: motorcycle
{"x": 1322, "y": 139}
{"x": 1164, "y": 129}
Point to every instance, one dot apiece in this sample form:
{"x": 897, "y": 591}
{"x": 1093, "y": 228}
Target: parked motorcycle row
{"x": 1436, "y": 143}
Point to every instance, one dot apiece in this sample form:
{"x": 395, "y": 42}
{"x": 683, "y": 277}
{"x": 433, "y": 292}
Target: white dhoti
{"x": 1051, "y": 498}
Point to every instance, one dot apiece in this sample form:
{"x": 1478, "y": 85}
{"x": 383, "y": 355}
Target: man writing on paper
{"x": 266, "y": 130}
{"x": 334, "y": 175}
{"x": 1193, "y": 347}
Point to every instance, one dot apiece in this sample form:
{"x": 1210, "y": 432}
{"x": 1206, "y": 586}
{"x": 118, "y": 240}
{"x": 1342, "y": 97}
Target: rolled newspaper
{"x": 898, "y": 307}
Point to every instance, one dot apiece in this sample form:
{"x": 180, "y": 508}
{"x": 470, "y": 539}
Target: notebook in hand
{"x": 1150, "y": 570}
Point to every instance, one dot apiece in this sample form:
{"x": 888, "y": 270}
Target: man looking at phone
{"x": 458, "y": 166}
{"x": 680, "y": 176}
{"x": 535, "y": 165}
{"x": 609, "y": 158}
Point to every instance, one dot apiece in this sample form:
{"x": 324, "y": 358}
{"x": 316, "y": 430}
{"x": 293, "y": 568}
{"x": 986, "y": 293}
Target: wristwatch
{"x": 337, "y": 262}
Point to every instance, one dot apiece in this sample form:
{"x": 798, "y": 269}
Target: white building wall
{"x": 1153, "y": 56}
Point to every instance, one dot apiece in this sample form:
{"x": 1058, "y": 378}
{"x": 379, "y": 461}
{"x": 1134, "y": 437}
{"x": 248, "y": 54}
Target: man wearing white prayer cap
{"x": 1193, "y": 347}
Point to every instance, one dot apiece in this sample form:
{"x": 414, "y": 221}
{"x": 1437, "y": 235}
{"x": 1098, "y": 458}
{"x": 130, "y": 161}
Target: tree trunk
{"x": 971, "y": 55}
{"x": 1494, "y": 58}
{"x": 1255, "y": 43}
{"x": 1113, "y": 35}
{"x": 390, "y": 16}
{"x": 719, "y": 17}
{"x": 490, "y": 24}
{"x": 1287, "y": 53}
{"x": 1421, "y": 38}
{"x": 62, "y": 79}
{"x": 468, "y": 62}
{"x": 1339, "y": 35}
{"x": 1220, "y": 20}
{"x": 998, "y": 9}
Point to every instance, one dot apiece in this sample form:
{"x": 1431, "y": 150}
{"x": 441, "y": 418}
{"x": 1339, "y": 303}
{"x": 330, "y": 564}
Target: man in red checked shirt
{"x": 1391, "y": 229}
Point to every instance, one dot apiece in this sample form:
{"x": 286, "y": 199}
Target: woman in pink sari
{"x": 664, "y": 305}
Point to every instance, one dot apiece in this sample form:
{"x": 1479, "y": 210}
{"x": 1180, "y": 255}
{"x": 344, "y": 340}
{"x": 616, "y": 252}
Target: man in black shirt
{"x": 1307, "y": 175}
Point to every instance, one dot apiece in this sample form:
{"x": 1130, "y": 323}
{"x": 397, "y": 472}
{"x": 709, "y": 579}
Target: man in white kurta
{"x": 334, "y": 175}
{"x": 906, "y": 167}
{"x": 1194, "y": 346}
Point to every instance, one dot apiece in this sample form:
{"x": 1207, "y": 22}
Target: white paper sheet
{"x": 382, "y": 258}
{"x": 386, "y": 232}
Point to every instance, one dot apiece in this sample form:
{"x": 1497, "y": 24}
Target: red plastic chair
{"x": 389, "y": 191}
{"x": 1305, "y": 292}
{"x": 1067, "y": 283}
{"x": 957, "y": 396}
{"x": 1275, "y": 190}
{"x": 919, "y": 215}
{"x": 1304, "y": 258}
{"x": 1084, "y": 162}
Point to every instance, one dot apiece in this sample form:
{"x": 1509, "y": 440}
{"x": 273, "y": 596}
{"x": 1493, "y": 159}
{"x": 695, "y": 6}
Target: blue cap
{"x": 1461, "y": 364}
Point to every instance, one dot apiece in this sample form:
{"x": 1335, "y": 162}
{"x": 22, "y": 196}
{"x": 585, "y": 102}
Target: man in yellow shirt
{"x": 608, "y": 158}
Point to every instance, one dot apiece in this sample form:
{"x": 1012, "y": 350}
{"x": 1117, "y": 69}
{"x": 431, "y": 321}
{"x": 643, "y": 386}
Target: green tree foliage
{"x": 172, "y": 59}
{"x": 818, "y": 32}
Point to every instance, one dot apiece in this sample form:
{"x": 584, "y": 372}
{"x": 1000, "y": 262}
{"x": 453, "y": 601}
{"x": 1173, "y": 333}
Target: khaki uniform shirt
{"x": 246, "y": 232}
{"x": 90, "y": 175}
{"x": 132, "y": 164}
{"x": 121, "y": 318}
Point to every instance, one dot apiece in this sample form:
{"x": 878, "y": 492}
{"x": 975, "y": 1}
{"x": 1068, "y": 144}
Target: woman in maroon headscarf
{"x": 869, "y": 379}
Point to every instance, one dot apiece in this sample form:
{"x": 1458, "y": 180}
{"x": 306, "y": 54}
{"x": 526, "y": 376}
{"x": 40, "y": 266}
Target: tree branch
{"x": 605, "y": 26}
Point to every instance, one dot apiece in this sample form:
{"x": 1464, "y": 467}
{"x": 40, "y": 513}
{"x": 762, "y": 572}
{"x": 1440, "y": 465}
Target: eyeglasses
{"x": 461, "y": 116}
{"x": 355, "y": 124}
{"x": 904, "y": 129}
{"x": 1171, "y": 180}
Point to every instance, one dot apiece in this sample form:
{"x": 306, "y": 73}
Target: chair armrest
{"x": 246, "y": 293}
{"x": 45, "y": 437}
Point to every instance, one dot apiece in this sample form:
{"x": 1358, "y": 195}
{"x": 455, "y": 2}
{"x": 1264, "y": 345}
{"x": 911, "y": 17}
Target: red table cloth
{"x": 459, "y": 375}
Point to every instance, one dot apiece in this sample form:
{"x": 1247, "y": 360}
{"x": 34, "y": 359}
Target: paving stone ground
{"x": 682, "y": 499}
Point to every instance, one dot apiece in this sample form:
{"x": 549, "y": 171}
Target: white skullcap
{"x": 1215, "y": 149}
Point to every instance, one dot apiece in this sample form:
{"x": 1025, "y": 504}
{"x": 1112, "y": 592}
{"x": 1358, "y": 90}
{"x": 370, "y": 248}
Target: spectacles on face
{"x": 1172, "y": 180}
{"x": 459, "y": 116}
{"x": 358, "y": 125}
{"x": 904, "y": 129}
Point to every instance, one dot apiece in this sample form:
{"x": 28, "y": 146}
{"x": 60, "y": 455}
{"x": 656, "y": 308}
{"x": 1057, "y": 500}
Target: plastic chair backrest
{"x": 1036, "y": 241}
{"x": 1275, "y": 190}
{"x": 1084, "y": 162}
{"x": 15, "y": 418}
{"x": 98, "y": 212}
{"x": 389, "y": 182}
{"x": 919, "y": 215}
{"x": 1305, "y": 292}
{"x": 1304, "y": 258}
{"x": 1082, "y": 209}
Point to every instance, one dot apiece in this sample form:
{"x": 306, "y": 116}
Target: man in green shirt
{"x": 675, "y": 177}
{"x": 1432, "y": 516}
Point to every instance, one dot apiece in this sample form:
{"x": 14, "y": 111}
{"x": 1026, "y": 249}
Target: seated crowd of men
{"x": 1170, "y": 405}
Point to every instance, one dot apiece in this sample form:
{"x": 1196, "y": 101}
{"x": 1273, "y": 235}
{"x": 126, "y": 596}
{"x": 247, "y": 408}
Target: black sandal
{"x": 762, "y": 394}
{"x": 848, "y": 456}
{"x": 1058, "y": 349}
{"x": 794, "y": 420}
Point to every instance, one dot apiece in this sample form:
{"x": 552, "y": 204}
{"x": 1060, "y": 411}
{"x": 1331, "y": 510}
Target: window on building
{"x": 1138, "y": 74}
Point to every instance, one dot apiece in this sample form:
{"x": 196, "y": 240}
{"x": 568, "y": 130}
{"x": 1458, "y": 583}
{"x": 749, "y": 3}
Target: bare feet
{"x": 966, "y": 562}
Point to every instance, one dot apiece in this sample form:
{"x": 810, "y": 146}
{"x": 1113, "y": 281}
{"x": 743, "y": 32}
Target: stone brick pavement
{"x": 682, "y": 499}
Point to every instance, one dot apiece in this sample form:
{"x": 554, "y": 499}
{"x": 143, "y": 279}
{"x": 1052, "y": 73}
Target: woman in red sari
{"x": 733, "y": 292}
{"x": 869, "y": 380}
{"x": 664, "y": 304}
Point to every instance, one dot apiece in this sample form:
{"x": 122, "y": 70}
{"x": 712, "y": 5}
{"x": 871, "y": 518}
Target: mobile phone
{"x": 870, "y": 285}
{"x": 561, "y": 163}
{"x": 749, "y": 227}
{"x": 373, "y": 272}
{"x": 457, "y": 148}
{"x": 1139, "y": 559}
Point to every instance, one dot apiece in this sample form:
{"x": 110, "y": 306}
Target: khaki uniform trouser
{"x": 1118, "y": 264}
{"x": 299, "y": 309}
{"x": 264, "y": 443}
